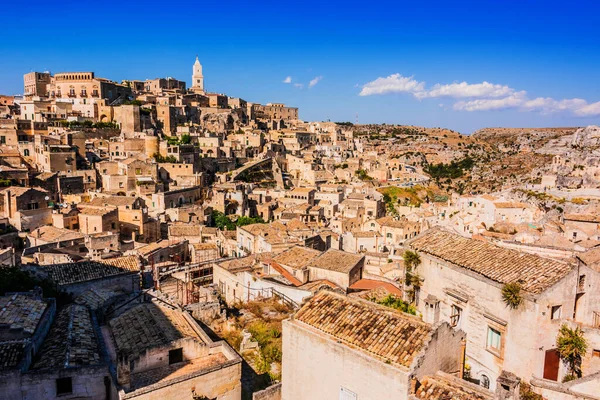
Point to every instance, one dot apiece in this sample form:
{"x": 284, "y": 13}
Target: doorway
{"x": 551, "y": 364}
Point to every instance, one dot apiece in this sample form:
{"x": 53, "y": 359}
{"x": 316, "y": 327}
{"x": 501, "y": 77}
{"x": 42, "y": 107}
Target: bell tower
{"x": 197, "y": 77}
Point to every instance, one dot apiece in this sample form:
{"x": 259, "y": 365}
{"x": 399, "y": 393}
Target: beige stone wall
{"x": 317, "y": 367}
{"x": 223, "y": 384}
{"x": 128, "y": 117}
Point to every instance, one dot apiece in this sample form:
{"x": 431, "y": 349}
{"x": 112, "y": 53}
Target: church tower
{"x": 197, "y": 78}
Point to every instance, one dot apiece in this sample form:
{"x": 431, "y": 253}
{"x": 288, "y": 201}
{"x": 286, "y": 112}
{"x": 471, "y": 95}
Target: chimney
{"x": 508, "y": 386}
{"x": 123, "y": 371}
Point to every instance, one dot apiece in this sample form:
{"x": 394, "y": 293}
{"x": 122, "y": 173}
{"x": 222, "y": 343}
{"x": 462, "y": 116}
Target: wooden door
{"x": 551, "y": 363}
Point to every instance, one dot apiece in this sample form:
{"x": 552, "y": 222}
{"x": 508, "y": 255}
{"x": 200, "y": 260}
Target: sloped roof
{"x": 116, "y": 201}
{"x": 70, "y": 273}
{"x": 296, "y": 257}
{"x": 149, "y": 325}
{"x": 440, "y": 388}
{"x": 185, "y": 230}
{"x": 11, "y": 354}
{"x": 381, "y": 332}
{"x": 582, "y": 217}
{"x": 71, "y": 342}
{"x": 243, "y": 263}
{"x": 337, "y": 261}
{"x": 51, "y": 233}
{"x": 21, "y": 311}
{"x": 534, "y": 273}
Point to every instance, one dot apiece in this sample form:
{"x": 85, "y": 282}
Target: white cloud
{"x": 298, "y": 85}
{"x": 589, "y": 110}
{"x": 314, "y": 81}
{"x": 394, "y": 83}
{"x": 464, "y": 89}
{"x": 483, "y": 96}
{"x": 288, "y": 80}
{"x": 513, "y": 101}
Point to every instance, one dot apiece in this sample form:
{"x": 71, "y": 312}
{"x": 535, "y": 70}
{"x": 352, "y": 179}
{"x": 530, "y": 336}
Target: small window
{"x": 64, "y": 386}
{"x": 556, "y": 312}
{"x": 175, "y": 356}
{"x": 389, "y": 235}
{"x": 596, "y": 353}
{"x": 455, "y": 316}
{"x": 494, "y": 340}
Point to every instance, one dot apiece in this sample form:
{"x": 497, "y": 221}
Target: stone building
{"x": 25, "y": 208}
{"x": 275, "y": 111}
{"x": 382, "y": 356}
{"x": 462, "y": 281}
{"x": 162, "y": 353}
{"x": 97, "y": 220}
{"x": 120, "y": 274}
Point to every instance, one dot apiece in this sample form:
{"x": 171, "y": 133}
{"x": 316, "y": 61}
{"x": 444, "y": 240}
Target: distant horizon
{"x": 456, "y": 66}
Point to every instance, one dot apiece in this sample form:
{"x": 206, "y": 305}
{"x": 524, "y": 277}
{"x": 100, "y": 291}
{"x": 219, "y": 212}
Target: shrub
{"x": 511, "y": 294}
{"x": 397, "y": 304}
{"x": 571, "y": 346}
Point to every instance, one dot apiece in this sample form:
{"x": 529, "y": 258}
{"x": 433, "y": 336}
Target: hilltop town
{"x": 161, "y": 241}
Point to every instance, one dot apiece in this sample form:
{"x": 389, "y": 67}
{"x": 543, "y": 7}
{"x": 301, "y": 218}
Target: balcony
{"x": 71, "y": 94}
{"x": 95, "y": 94}
{"x": 59, "y": 94}
{"x": 83, "y": 94}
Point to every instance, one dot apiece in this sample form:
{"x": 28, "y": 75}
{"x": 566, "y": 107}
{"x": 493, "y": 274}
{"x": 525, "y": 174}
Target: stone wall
{"x": 273, "y": 392}
{"x": 317, "y": 367}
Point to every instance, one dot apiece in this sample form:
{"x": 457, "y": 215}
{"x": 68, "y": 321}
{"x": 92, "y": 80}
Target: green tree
{"x": 185, "y": 139}
{"x": 411, "y": 261}
{"x": 571, "y": 346}
{"x": 222, "y": 222}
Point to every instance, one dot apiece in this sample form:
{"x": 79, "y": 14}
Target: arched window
{"x": 485, "y": 381}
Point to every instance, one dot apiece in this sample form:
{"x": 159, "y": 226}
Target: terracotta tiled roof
{"x": 582, "y": 217}
{"x": 534, "y": 273}
{"x": 152, "y": 247}
{"x": 49, "y": 233}
{"x": 96, "y": 297}
{"x": 243, "y": 263}
{"x": 71, "y": 341}
{"x": 297, "y": 257}
{"x": 296, "y": 225}
{"x": 19, "y": 191}
{"x": 315, "y": 286}
{"x": 439, "y": 388}
{"x": 383, "y": 333}
{"x": 371, "y": 284}
{"x": 11, "y": 354}
{"x": 116, "y": 201}
{"x": 591, "y": 258}
{"x": 69, "y": 273}
{"x": 505, "y": 204}
{"x": 393, "y": 222}
{"x": 96, "y": 211}
{"x": 149, "y": 325}
{"x": 337, "y": 261}
{"x": 21, "y": 312}
{"x": 185, "y": 230}
{"x": 366, "y": 235}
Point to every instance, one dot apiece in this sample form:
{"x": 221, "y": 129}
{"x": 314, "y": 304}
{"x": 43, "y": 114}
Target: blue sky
{"x": 457, "y": 64}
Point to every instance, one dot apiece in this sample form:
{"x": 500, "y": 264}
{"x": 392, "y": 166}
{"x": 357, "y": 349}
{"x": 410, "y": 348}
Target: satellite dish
{"x": 46, "y": 198}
